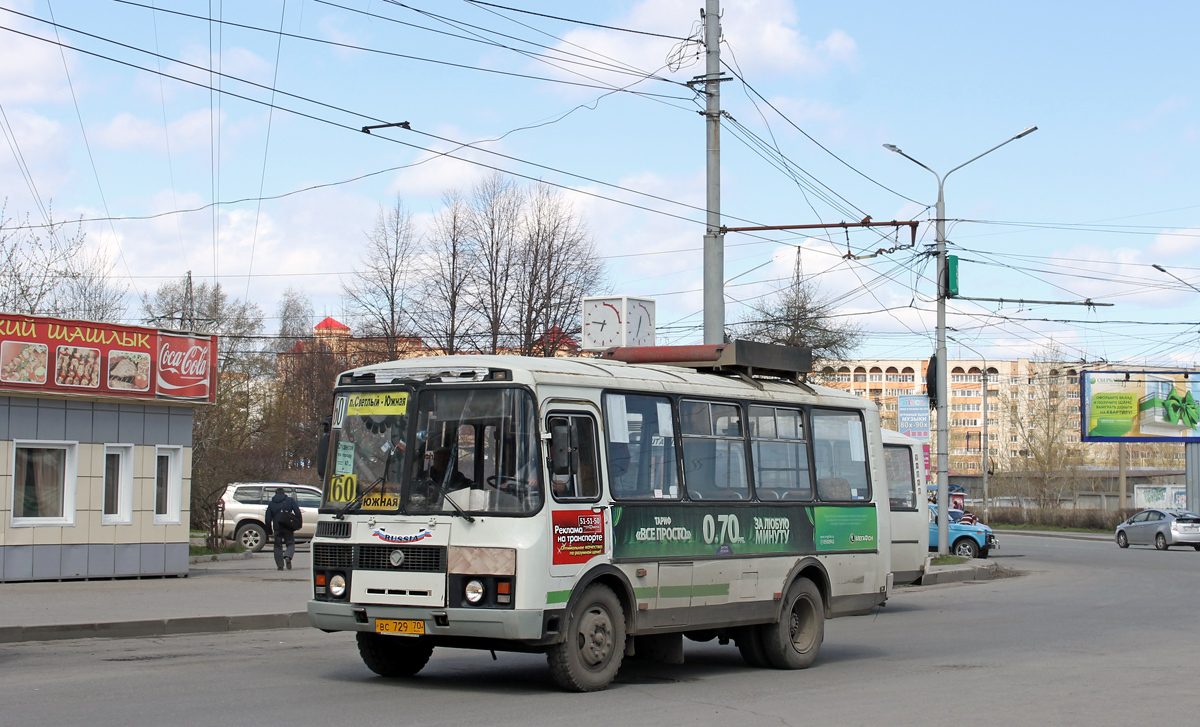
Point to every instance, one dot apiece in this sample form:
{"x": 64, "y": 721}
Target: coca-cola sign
{"x": 186, "y": 367}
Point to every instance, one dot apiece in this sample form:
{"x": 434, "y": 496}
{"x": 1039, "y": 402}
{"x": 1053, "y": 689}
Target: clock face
{"x": 602, "y": 320}
{"x": 639, "y": 317}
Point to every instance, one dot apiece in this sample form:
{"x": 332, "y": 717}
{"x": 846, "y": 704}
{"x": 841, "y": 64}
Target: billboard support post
{"x": 1192, "y": 478}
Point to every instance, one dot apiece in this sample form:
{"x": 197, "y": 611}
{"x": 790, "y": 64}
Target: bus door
{"x": 580, "y": 527}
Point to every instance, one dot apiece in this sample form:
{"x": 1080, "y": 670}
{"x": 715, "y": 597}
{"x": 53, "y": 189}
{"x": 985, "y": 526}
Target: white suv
{"x": 242, "y": 510}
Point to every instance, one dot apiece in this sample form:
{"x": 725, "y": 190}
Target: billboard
{"x": 912, "y": 416}
{"x": 42, "y": 355}
{"x": 1140, "y": 406}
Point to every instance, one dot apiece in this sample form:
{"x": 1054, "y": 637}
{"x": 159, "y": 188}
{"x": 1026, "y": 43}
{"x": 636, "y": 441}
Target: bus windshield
{"x": 476, "y": 448}
{"x": 366, "y": 449}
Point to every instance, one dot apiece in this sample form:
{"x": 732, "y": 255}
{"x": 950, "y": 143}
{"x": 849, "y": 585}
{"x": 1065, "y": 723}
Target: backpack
{"x": 290, "y": 519}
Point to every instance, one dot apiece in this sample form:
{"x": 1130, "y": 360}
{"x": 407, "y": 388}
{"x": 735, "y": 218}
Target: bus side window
{"x": 714, "y": 451}
{"x": 780, "y": 454}
{"x": 840, "y": 455}
{"x": 640, "y": 434}
{"x": 898, "y": 462}
{"x": 584, "y": 482}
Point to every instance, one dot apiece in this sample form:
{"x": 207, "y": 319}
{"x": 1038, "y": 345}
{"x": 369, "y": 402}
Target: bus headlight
{"x": 473, "y": 591}
{"x": 337, "y": 586}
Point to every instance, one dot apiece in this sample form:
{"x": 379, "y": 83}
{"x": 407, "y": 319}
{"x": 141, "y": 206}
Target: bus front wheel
{"x": 794, "y": 641}
{"x": 393, "y": 656}
{"x": 588, "y": 659}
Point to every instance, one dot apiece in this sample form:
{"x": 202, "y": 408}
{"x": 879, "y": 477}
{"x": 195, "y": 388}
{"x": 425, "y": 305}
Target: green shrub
{"x": 1103, "y": 520}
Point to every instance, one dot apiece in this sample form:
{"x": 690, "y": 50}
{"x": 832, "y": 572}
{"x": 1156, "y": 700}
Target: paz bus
{"x": 904, "y": 462}
{"x": 594, "y": 509}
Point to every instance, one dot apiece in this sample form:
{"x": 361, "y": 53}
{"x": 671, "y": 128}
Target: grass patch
{"x": 205, "y": 550}
{"x": 1051, "y": 528}
{"x": 948, "y": 560}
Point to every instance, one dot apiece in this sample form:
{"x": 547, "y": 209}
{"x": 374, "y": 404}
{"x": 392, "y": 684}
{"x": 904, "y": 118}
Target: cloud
{"x": 1158, "y": 113}
{"x": 127, "y": 132}
{"x": 31, "y": 71}
{"x": 760, "y": 35}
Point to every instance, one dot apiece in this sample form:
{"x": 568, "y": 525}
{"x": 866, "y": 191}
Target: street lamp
{"x": 943, "y": 424}
{"x": 1161, "y": 269}
{"x": 986, "y": 443}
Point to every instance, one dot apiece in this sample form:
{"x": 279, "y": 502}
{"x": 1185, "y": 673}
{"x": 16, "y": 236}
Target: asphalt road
{"x": 1089, "y": 634}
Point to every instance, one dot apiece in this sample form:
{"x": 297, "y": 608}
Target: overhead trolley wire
{"x": 576, "y": 22}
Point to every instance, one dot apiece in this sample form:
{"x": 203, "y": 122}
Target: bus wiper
{"x": 341, "y": 514}
{"x": 457, "y": 508}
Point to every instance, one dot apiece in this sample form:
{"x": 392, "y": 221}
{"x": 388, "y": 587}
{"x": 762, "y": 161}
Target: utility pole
{"x": 943, "y": 284}
{"x": 714, "y": 239}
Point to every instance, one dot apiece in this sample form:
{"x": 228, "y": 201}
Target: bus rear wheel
{"x": 795, "y": 640}
{"x": 393, "y": 656}
{"x": 588, "y": 659}
{"x": 750, "y": 645}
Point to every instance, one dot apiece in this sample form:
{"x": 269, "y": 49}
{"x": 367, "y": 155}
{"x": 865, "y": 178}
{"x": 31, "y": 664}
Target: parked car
{"x": 969, "y": 540}
{"x": 243, "y": 509}
{"x": 1163, "y": 528}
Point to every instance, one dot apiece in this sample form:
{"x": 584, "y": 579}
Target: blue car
{"x": 974, "y": 540}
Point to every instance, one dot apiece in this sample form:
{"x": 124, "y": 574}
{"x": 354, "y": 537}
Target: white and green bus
{"x": 595, "y": 509}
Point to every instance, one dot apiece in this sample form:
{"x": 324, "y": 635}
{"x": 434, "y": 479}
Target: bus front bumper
{"x": 528, "y": 626}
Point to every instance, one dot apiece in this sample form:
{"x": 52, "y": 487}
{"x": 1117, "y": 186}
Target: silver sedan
{"x": 1161, "y": 527}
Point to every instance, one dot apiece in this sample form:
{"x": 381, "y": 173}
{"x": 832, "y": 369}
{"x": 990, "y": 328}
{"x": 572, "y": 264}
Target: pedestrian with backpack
{"x": 283, "y": 520}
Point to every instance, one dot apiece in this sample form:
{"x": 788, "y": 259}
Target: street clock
{"x": 618, "y": 320}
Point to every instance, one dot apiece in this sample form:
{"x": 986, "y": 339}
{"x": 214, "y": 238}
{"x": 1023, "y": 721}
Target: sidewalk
{"x": 230, "y": 595}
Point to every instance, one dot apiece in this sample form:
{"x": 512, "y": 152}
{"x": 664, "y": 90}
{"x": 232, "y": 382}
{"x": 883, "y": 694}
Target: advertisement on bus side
{"x": 655, "y": 531}
{"x": 578, "y": 535}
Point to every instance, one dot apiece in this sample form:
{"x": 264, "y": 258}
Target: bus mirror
{"x": 322, "y": 454}
{"x": 560, "y": 447}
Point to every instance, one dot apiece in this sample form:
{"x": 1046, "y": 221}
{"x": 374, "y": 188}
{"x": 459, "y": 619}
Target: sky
{"x": 140, "y": 146}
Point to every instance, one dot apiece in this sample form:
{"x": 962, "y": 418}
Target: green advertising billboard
{"x": 1140, "y": 406}
{"x": 704, "y": 531}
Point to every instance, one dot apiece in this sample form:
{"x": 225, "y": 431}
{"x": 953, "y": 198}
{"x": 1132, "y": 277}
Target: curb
{"x": 937, "y": 574}
{"x": 155, "y": 627}
{"x": 218, "y": 557}
{"x": 1094, "y": 537}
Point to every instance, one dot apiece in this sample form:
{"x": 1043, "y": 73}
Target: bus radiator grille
{"x": 419, "y": 558}
{"x": 332, "y": 555}
{"x": 333, "y": 530}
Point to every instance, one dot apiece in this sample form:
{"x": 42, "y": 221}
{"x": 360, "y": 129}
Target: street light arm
{"x": 1026, "y": 132}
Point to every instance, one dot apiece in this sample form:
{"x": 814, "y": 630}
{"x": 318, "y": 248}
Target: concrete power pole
{"x": 714, "y": 239}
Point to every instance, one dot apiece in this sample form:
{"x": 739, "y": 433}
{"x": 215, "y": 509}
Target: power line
{"x": 576, "y": 22}
{"x": 87, "y": 145}
{"x": 377, "y": 51}
{"x": 266, "y": 147}
{"x": 813, "y": 140}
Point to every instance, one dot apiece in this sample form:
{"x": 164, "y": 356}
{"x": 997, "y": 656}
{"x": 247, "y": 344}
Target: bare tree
{"x": 56, "y": 275}
{"x": 378, "y": 295}
{"x": 295, "y": 314}
{"x": 444, "y": 317}
{"x": 228, "y": 438}
{"x": 558, "y": 266}
{"x": 495, "y": 204}
{"x": 1050, "y": 457}
{"x": 799, "y": 316}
